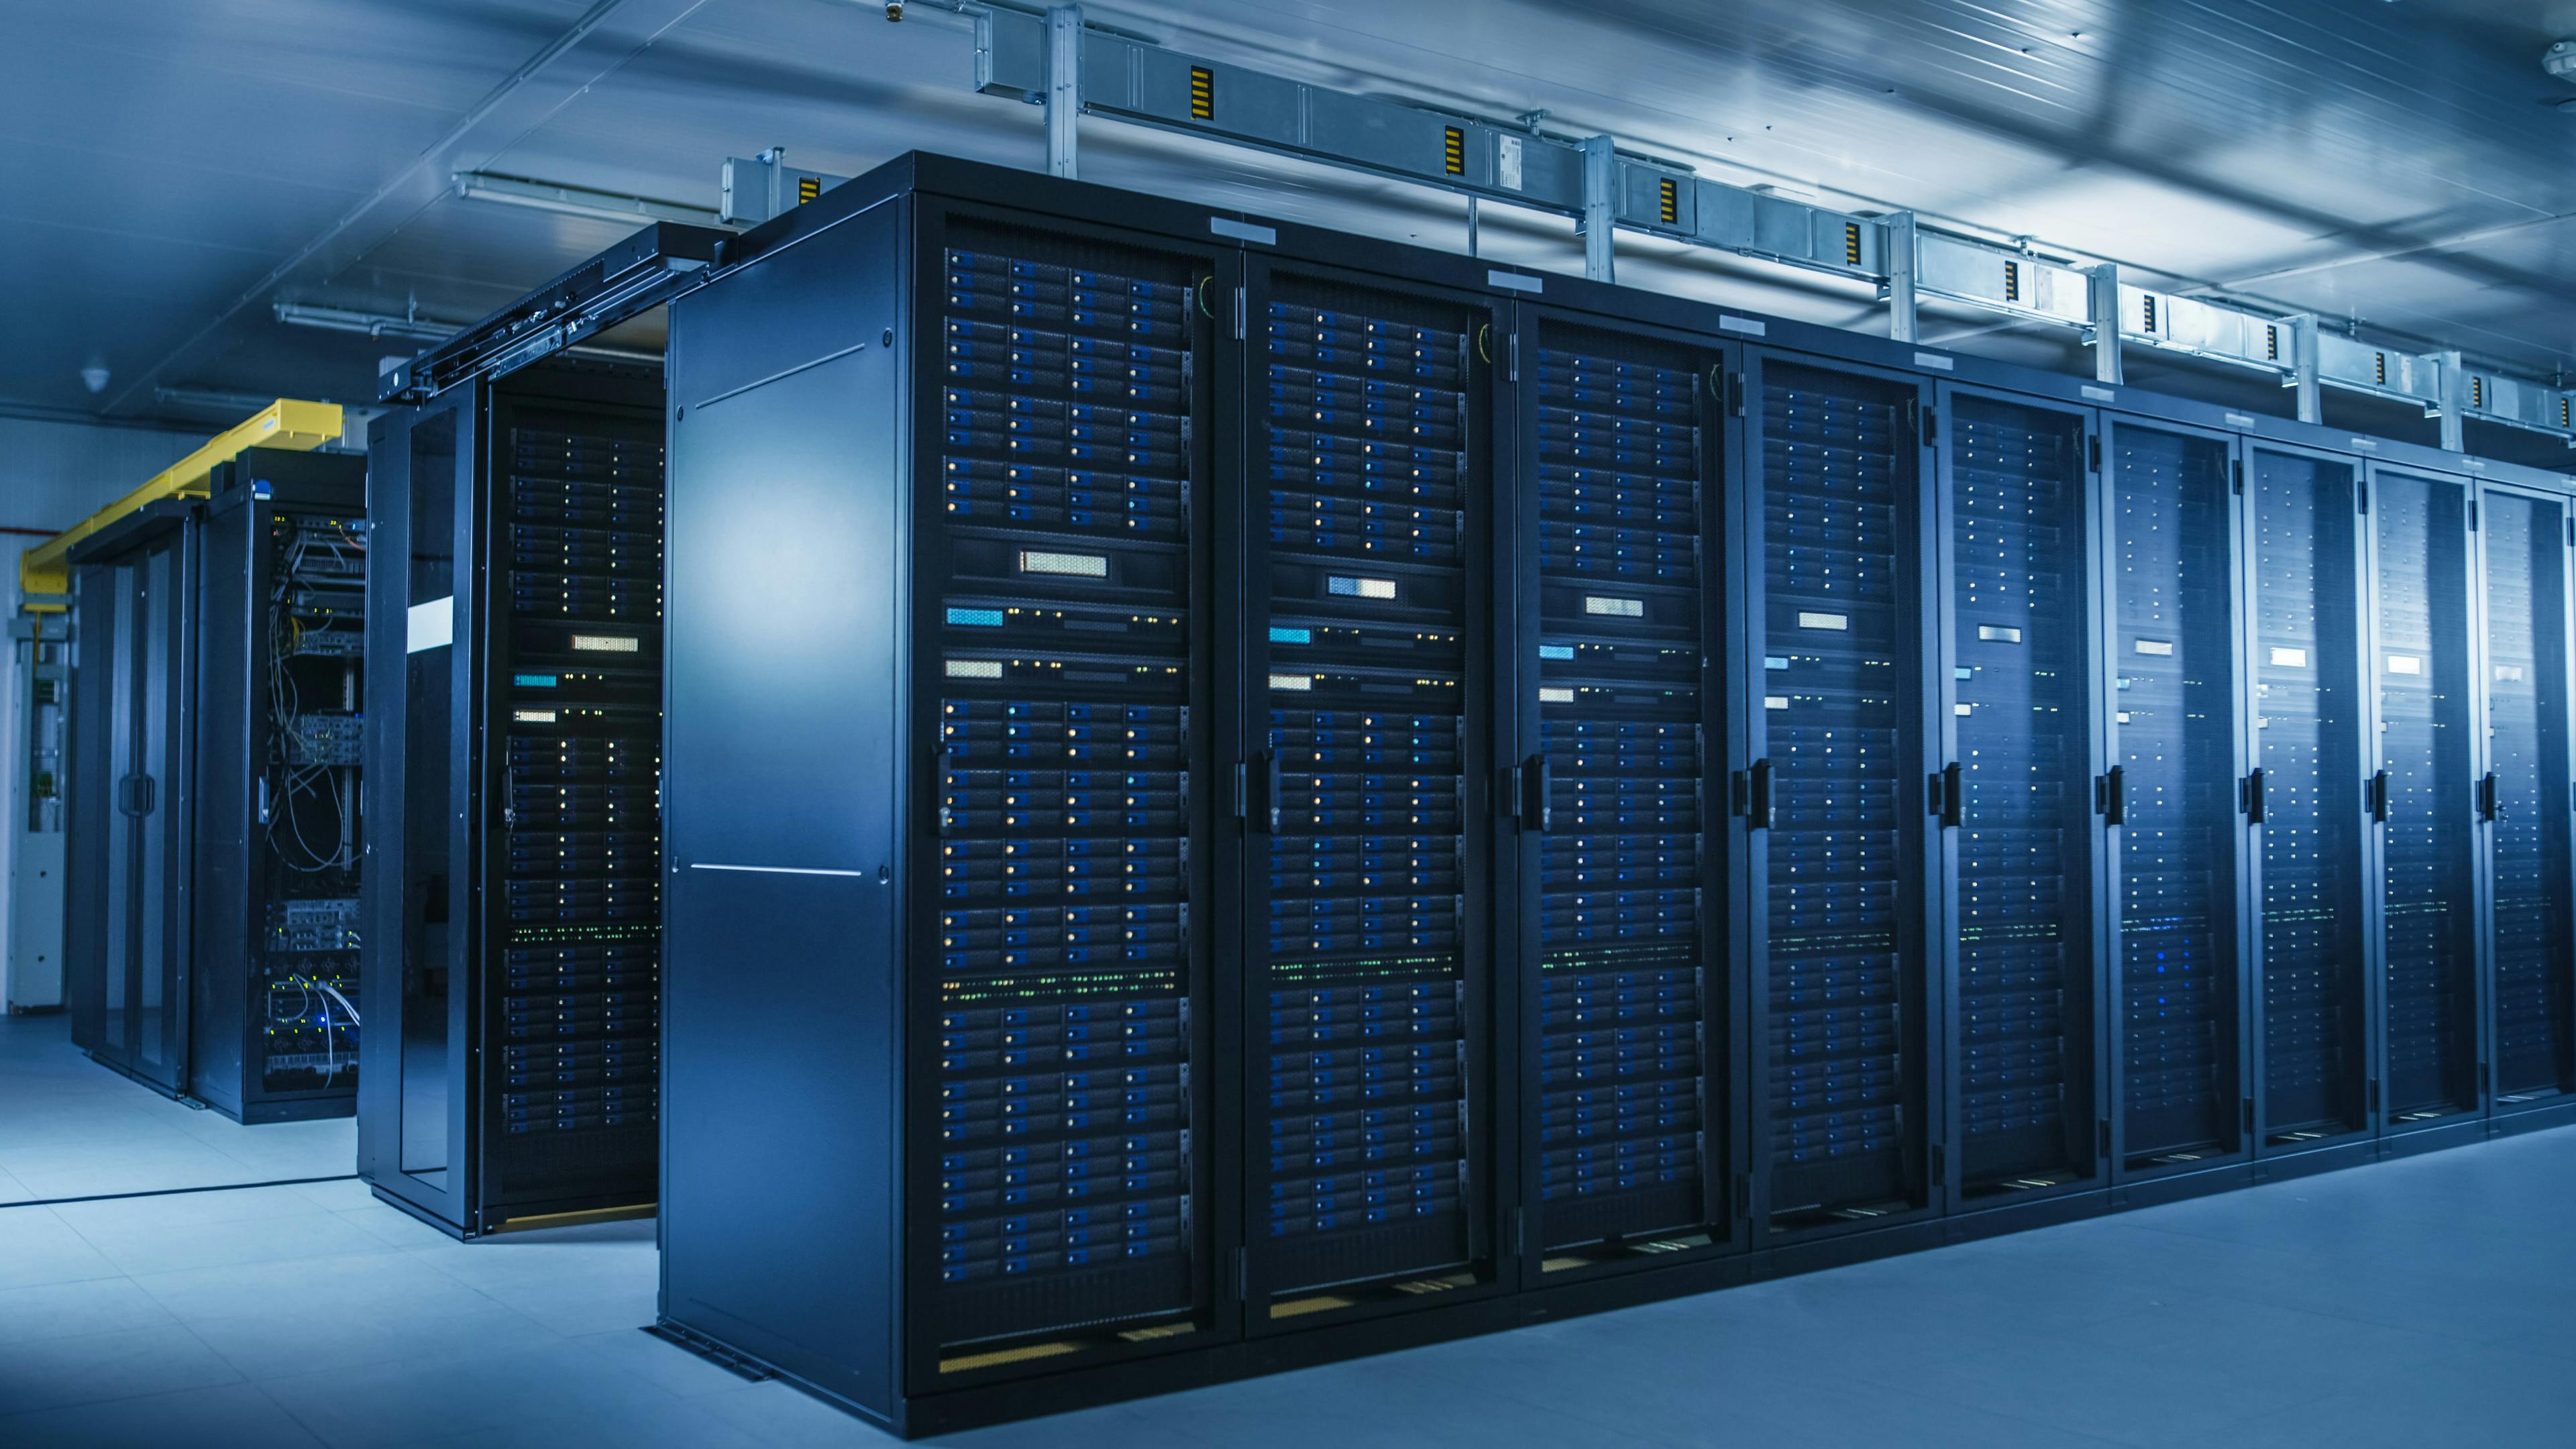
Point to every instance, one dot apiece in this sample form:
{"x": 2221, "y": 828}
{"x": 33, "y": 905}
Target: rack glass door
{"x": 2524, "y": 797}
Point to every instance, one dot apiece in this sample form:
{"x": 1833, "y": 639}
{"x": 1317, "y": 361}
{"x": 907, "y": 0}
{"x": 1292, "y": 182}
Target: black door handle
{"x": 2115, "y": 797}
{"x": 2490, "y": 798}
{"x": 1954, "y": 806}
{"x": 1531, "y": 786}
{"x": 2254, "y": 797}
{"x": 2379, "y": 796}
{"x": 1271, "y": 786}
{"x": 135, "y": 795}
{"x": 1758, "y": 807}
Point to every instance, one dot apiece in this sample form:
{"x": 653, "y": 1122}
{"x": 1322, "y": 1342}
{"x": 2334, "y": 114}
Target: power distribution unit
{"x": 1240, "y": 795}
{"x": 513, "y": 916}
{"x": 212, "y": 942}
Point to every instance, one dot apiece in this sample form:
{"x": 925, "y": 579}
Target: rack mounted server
{"x": 214, "y": 834}
{"x": 1239, "y": 794}
{"x": 513, "y": 916}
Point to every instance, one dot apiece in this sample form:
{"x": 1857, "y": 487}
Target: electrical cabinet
{"x": 213, "y": 922}
{"x": 1238, "y": 795}
{"x": 512, "y": 913}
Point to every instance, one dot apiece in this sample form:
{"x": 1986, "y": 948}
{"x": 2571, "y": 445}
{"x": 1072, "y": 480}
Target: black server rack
{"x": 2175, "y": 793}
{"x": 1833, "y": 566}
{"x": 2524, "y": 794}
{"x": 1369, "y": 989}
{"x": 2016, "y": 795}
{"x": 274, "y": 1027}
{"x": 2423, "y": 798}
{"x": 1239, "y": 795}
{"x": 1623, "y": 904}
{"x": 2307, "y": 798}
{"x": 511, "y": 917}
{"x": 128, "y": 889}
{"x": 214, "y": 926}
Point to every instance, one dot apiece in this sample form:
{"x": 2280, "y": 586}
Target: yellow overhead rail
{"x": 297, "y": 427}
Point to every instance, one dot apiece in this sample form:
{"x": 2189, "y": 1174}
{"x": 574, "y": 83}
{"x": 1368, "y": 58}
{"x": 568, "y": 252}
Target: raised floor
{"x": 2422, "y": 1301}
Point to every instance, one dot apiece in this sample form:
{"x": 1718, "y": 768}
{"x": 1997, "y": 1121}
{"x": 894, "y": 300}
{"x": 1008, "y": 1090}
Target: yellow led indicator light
{"x": 2380, "y": 367}
{"x": 2150, "y": 300}
{"x": 2012, "y": 281}
{"x": 1202, "y": 93}
{"x": 1453, "y": 150}
{"x": 2272, "y": 344}
{"x": 1668, "y": 201}
{"x": 1851, "y": 243}
{"x": 2477, "y": 392}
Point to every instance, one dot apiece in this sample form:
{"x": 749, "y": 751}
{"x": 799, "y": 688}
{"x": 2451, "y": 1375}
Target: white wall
{"x": 53, "y": 475}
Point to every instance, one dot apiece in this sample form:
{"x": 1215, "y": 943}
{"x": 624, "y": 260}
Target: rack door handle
{"x": 2379, "y": 796}
{"x": 2254, "y": 797}
{"x": 1757, "y": 808}
{"x": 1271, "y": 787}
{"x": 1954, "y": 805}
{"x": 1533, "y": 785}
{"x": 2115, "y": 797}
{"x": 2490, "y": 797}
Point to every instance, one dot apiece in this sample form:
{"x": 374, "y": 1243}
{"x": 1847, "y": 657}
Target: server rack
{"x": 2031, "y": 982}
{"x": 2023, "y": 744}
{"x": 2176, "y": 796}
{"x": 2524, "y": 542}
{"x": 511, "y": 919}
{"x": 2423, "y": 658}
{"x": 1834, "y": 554}
{"x": 214, "y": 943}
{"x": 2311, "y": 801}
{"x": 1618, "y": 803}
{"x": 128, "y": 883}
{"x": 274, "y": 1026}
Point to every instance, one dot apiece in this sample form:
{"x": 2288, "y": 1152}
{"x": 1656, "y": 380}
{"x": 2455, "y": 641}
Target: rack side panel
{"x": 788, "y": 574}
{"x": 2526, "y": 798}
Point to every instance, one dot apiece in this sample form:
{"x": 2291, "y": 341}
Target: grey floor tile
{"x": 627, "y": 1426}
{"x": 143, "y": 1251}
{"x": 131, "y": 1215}
{"x": 89, "y": 1305}
{"x": 376, "y": 1282}
{"x": 38, "y": 1247}
{"x": 234, "y": 1416}
{"x": 667, "y": 1366}
{"x": 386, "y": 1404}
{"x": 276, "y": 1345}
{"x": 2493, "y": 1398}
{"x": 49, "y": 1373}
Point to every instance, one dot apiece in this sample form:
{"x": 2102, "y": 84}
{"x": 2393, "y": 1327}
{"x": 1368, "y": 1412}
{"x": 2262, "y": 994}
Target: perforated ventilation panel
{"x": 2429, "y": 842}
{"x": 1064, "y": 1108}
{"x": 582, "y": 750}
{"x": 2526, "y": 575}
{"x": 2174, "y": 725}
{"x": 1362, "y": 1166}
{"x": 2307, "y": 712}
{"x": 1623, "y": 1118}
{"x": 2024, "y": 1025}
{"x": 1837, "y": 697}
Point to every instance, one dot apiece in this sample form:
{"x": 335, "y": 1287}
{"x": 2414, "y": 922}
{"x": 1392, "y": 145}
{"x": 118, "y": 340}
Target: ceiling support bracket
{"x": 2455, "y": 403}
{"x": 1901, "y": 256}
{"x": 2102, "y": 300}
{"x": 1064, "y": 88}
{"x": 1600, "y": 207}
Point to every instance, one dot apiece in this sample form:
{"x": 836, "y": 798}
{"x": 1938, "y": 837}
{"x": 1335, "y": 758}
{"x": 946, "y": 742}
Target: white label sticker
{"x": 1507, "y": 162}
{"x": 1349, "y": 588}
{"x": 2240, "y": 420}
{"x": 1837, "y": 622}
{"x": 1998, "y": 634}
{"x": 1775, "y": 701}
{"x": 1774, "y": 661}
{"x": 607, "y": 643}
{"x": 1292, "y": 681}
{"x": 1514, "y": 281}
{"x": 1556, "y": 696}
{"x": 2508, "y": 673}
{"x": 1615, "y": 608}
{"x": 2122, "y": 716}
{"x": 1070, "y": 565}
{"x": 2096, "y": 394}
{"x": 1244, "y": 231}
{"x": 1745, "y": 325}
{"x": 2158, "y": 647}
{"x": 2289, "y": 658}
{"x": 533, "y": 716}
{"x": 1933, "y": 360}
{"x": 2370, "y": 443}
{"x": 1963, "y": 709}
{"x": 430, "y": 626}
{"x": 2405, "y": 664}
{"x": 974, "y": 669}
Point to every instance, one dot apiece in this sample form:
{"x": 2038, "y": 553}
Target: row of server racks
{"x": 1237, "y": 794}
{"x": 513, "y": 909}
{"x": 212, "y": 841}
